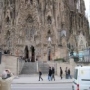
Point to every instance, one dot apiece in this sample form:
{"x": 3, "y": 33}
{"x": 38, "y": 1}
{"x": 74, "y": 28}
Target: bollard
{"x": 6, "y": 83}
{"x": 0, "y": 82}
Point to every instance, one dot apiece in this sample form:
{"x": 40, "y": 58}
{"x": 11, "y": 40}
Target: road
{"x": 67, "y": 86}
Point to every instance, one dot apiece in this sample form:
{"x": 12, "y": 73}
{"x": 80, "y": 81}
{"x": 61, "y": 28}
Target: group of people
{"x": 6, "y": 74}
{"x": 67, "y": 73}
{"x": 51, "y": 74}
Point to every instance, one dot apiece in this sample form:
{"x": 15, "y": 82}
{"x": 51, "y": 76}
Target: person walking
{"x": 61, "y": 72}
{"x": 69, "y": 75}
{"x": 49, "y": 74}
{"x": 66, "y": 73}
{"x": 40, "y": 75}
{"x": 53, "y": 74}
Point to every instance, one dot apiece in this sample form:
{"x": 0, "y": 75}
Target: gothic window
{"x": 10, "y": 1}
{"x": 31, "y": 1}
{"x": 11, "y": 14}
{"x": 81, "y": 43}
{"x": 7, "y": 19}
{"x": 49, "y": 19}
{"x": 26, "y": 1}
{"x": 49, "y": 32}
{"x": 29, "y": 19}
{"x": 38, "y": 1}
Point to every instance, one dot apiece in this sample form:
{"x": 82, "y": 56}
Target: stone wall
{"x": 13, "y": 63}
{"x": 20, "y": 65}
{"x": 2, "y": 67}
{"x": 70, "y": 65}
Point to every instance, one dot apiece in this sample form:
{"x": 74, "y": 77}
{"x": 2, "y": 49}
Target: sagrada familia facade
{"x": 43, "y": 29}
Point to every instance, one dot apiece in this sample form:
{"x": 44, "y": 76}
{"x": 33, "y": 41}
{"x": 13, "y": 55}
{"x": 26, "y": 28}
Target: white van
{"x": 81, "y": 78}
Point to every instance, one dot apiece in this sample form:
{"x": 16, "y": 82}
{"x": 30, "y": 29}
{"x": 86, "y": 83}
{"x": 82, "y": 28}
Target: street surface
{"x": 62, "y": 86}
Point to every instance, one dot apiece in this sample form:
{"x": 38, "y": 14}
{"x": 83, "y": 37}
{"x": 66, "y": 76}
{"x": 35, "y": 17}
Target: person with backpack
{"x": 40, "y": 75}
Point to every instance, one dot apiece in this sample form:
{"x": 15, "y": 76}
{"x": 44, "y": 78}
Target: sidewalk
{"x": 33, "y": 79}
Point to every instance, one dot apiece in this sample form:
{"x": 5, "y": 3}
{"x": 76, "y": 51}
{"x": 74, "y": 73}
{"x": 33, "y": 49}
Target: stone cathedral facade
{"x": 43, "y": 29}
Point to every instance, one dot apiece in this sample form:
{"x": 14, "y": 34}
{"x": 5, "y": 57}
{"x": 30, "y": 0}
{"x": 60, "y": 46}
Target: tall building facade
{"x": 43, "y": 29}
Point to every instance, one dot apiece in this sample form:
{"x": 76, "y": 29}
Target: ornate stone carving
{"x": 29, "y": 19}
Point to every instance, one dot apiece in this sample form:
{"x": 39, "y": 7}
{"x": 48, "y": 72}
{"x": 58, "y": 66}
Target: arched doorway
{"x": 49, "y": 54}
{"x": 26, "y": 52}
{"x": 32, "y": 54}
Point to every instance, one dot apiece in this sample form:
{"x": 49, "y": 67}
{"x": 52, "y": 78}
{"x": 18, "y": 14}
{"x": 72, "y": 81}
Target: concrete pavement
{"x": 33, "y": 79}
{"x": 61, "y": 86}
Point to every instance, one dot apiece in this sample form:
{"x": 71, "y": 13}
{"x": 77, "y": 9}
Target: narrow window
{"x": 26, "y": 1}
{"x": 7, "y": 19}
{"x": 49, "y": 20}
{"x": 38, "y": 1}
{"x": 31, "y": 1}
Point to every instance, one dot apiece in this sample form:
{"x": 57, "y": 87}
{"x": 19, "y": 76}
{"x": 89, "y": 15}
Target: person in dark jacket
{"x": 61, "y": 72}
{"x": 40, "y": 75}
{"x": 49, "y": 74}
{"x": 53, "y": 73}
{"x": 69, "y": 75}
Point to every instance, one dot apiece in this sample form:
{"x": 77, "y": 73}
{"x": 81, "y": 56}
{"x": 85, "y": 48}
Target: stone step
{"x": 31, "y": 68}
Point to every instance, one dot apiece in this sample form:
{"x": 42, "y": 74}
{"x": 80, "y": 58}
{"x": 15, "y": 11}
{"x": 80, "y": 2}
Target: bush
{"x": 76, "y": 58}
{"x": 60, "y": 59}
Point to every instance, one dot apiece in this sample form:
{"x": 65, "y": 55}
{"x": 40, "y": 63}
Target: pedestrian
{"x": 69, "y": 75}
{"x": 49, "y": 74}
{"x": 40, "y": 75}
{"x": 53, "y": 74}
{"x": 61, "y": 72}
{"x": 66, "y": 73}
{"x": 4, "y": 75}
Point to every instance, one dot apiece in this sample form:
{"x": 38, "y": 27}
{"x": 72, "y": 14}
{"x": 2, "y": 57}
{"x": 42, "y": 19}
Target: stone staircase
{"x": 33, "y": 67}
{"x": 43, "y": 66}
{"x": 29, "y": 68}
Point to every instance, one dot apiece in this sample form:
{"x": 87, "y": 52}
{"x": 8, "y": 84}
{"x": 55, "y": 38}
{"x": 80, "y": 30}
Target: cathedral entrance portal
{"x": 32, "y": 54}
{"x": 26, "y": 52}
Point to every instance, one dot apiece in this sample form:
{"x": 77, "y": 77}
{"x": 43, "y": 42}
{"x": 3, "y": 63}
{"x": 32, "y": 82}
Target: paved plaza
{"x": 33, "y": 79}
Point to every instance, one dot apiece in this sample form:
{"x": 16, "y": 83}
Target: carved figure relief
{"x": 29, "y": 19}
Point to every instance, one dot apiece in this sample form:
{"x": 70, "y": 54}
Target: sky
{"x": 87, "y": 4}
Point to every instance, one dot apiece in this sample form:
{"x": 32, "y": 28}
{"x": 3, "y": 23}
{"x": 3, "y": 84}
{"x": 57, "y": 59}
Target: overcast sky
{"x": 87, "y": 4}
